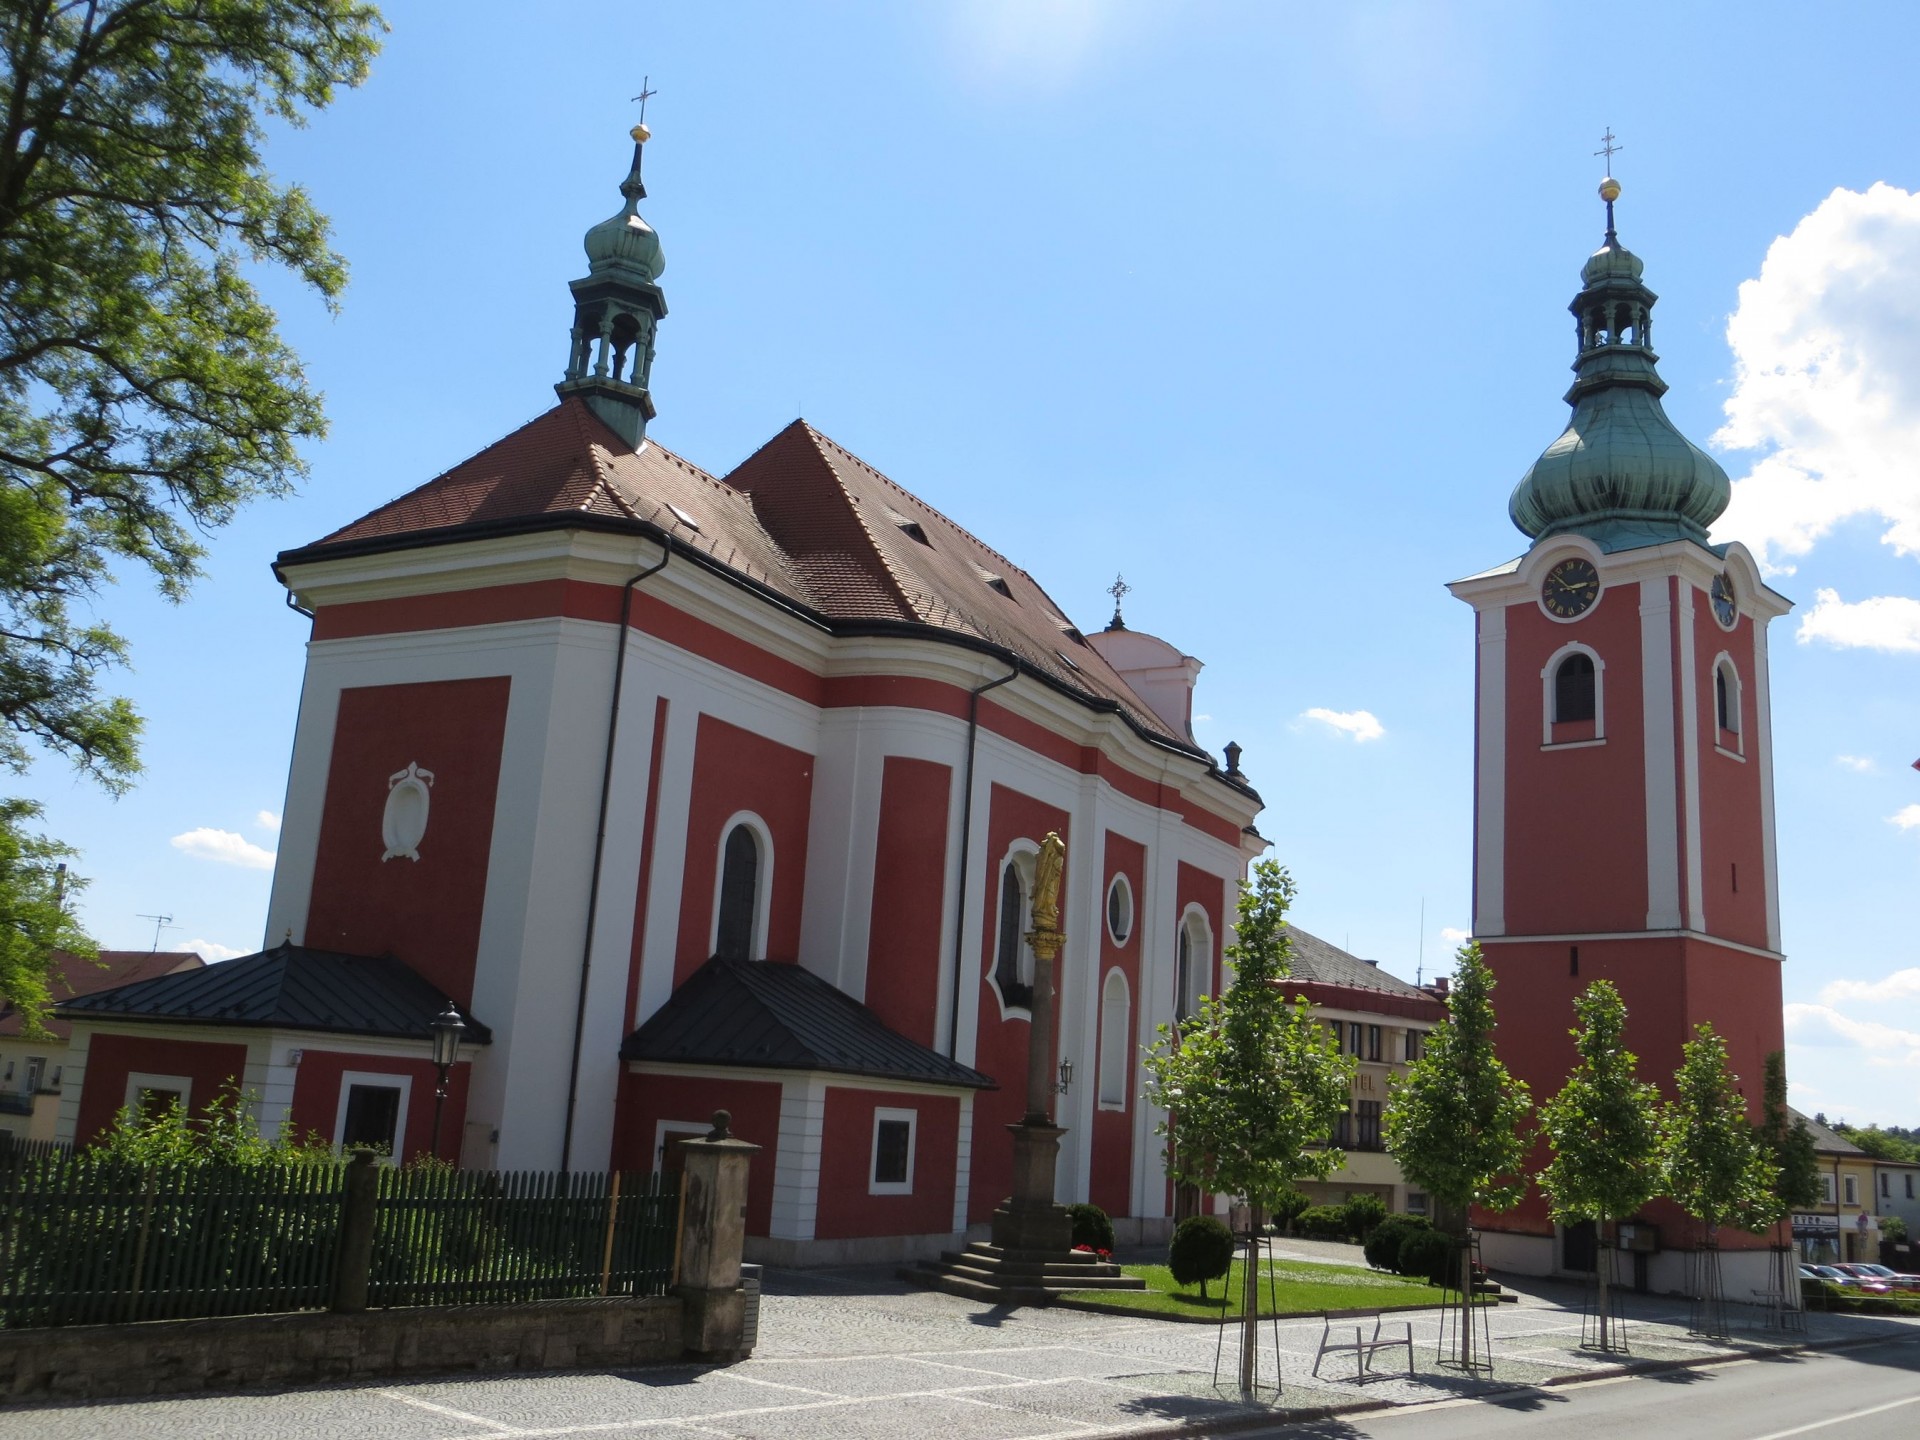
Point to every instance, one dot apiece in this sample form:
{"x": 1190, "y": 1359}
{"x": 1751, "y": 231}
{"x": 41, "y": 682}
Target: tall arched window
{"x": 1012, "y": 971}
{"x": 739, "y": 895}
{"x": 1116, "y": 1041}
{"x": 1573, "y": 689}
{"x": 1193, "y": 964}
{"x": 1726, "y": 697}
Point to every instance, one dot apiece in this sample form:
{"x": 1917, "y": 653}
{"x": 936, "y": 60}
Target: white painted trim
{"x": 1021, "y": 854}
{"x": 663, "y": 1130}
{"x": 138, "y": 1080}
{"x": 1723, "y": 663}
{"x": 1763, "y": 760}
{"x": 1671, "y": 934}
{"x": 1657, "y": 720}
{"x": 1547, "y": 675}
{"x": 1120, "y": 883}
{"x": 378, "y": 1080}
{"x": 881, "y": 1115}
{"x": 1573, "y": 745}
{"x": 796, "y": 1163}
{"x": 963, "y": 1163}
{"x": 1200, "y": 934}
{"x": 1690, "y": 760}
{"x": 1720, "y": 749}
{"x": 1123, "y": 1050}
{"x": 829, "y": 1078}
{"x": 1490, "y": 774}
{"x": 762, "y": 881}
{"x": 1556, "y": 551}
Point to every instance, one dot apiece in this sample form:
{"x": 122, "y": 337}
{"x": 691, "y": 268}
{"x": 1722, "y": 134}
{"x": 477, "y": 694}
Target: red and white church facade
{"x": 715, "y": 792}
{"x": 1623, "y": 817}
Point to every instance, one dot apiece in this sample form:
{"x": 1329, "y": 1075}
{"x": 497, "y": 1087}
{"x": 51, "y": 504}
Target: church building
{"x": 697, "y": 791}
{"x": 1623, "y": 774}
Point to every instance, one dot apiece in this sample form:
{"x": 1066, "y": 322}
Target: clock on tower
{"x": 1622, "y": 679}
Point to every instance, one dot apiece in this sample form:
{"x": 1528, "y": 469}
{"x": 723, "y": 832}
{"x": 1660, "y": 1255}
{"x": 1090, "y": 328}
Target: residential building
{"x": 1856, "y": 1191}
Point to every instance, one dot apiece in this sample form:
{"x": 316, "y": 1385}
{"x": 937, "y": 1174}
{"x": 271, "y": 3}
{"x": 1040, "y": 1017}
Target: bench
{"x": 1364, "y": 1347}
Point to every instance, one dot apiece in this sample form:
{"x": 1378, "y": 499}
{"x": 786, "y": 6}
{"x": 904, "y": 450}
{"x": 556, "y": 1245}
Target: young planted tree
{"x": 1788, "y": 1146}
{"x": 1603, "y": 1129}
{"x": 145, "y": 392}
{"x": 1711, "y": 1160}
{"x": 1252, "y": 1085}
{"x": 1453, "y": 1122}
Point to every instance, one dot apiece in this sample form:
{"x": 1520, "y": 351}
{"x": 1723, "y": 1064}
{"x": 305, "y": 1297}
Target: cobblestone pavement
{"x": 854, "y": 1355}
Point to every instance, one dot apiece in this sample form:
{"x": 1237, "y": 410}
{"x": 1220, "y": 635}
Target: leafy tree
{"x": 1713, "y": 1164}
{"x": 1201, "y": 1250}
{"x": 34, "y": 920}
{"x": 224, "y": 1133}
{"x": 1252, "y": 1084}
{"x": 1880, "y": 1144}
{"x": 1453, "y": 1119}
{"x": 1789, "y": 1146}
{"x": 1603, "y": 1129}
{"x": 145, "y": 394}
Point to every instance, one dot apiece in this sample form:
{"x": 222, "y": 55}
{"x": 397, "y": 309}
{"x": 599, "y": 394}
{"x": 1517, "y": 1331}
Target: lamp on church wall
{"x": 446, "y": 1028}
{"x": 1066, "y": 1075}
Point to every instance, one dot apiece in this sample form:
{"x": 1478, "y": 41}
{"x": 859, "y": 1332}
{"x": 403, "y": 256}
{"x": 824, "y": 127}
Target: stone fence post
{"x": 353, "y": 1266}
{"x": 713, "y": 1228}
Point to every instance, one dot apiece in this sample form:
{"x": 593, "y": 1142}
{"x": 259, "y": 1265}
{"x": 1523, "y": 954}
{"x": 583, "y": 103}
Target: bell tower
{"x": 617, "y": 307}
{"x": 1623, "y": 807}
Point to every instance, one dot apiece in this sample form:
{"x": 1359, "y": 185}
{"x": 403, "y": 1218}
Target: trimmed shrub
{"x": 1202, "y": 1250}
{"x": 1383, "y": 1245}
{"x": 1363, "y": 1212}
{"x": 1288, "y": 1209}
{"x": 1322, "y": 1222}
{"x": 1425, "y": 1254}
{"x": 1091, "y": 1227}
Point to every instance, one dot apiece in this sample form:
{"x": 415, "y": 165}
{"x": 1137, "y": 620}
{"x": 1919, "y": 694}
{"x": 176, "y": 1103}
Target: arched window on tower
{"x": 1193, "y": 964}
{"x": 1573, "y": 689}
{"x": 1116, "y": 1040}
{"x": 739, "y": 909}
{"x": 1728, "y": 739}
{"x": 1012, "y": 963}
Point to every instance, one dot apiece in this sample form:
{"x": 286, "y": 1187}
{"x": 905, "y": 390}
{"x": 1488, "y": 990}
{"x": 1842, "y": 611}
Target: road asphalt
{"x": 855, "y": 1355}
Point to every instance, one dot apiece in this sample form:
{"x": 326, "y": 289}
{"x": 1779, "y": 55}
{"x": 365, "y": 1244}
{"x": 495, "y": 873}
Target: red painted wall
{"x": 1195, "y": 886}
{"x": 210, "y": 1065}
{"x": 425, "y": 912}
{"x": 909, "y": 884}
{"x": 1110, "y": 1173}
{"x": 316, "y": 1098}
{"x": 846, "y": 1156}
{"x": 1731, "y": 851}
{"x": 1576, "y": 821}
{"x": 1001, "y": 1045}
{"x": 753, "y": 1104}
{"x": 735, "y": 770}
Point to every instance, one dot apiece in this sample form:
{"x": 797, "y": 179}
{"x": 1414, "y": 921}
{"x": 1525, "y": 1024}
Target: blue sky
{"x": 1262, "y": 305}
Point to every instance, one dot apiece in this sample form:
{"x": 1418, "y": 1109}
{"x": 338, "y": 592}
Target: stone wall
{"x": 160, "y": 1357}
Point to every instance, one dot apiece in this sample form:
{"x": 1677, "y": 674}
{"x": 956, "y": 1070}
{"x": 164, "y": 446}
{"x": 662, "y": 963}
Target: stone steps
{"x": 985, "y": 1271}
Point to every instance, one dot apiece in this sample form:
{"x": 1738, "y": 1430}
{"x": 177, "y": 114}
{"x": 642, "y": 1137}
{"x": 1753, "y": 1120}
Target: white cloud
{"x": 1907, "y": 819}
{"x": 1826, "y": 347}
{"x": 1358, "y": 725}
{"x": 268, "y": 821}
{"x": 1044, "y": 42}
{"x": 210, "y": 950}
{"x": 1901, "y": 985}
{"x": 223, "y": 846}
{"x": 1824, "y": 1026}
{"x": 1859, "y": 764}
{"x": 1455, "y": 937}
{"x": 1884, "y": 622}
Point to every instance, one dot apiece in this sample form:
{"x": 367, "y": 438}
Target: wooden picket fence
{"x": 89, "y": 1241}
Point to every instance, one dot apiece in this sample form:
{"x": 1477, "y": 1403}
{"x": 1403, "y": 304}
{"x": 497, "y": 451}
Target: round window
{"x": 1120, "y": 910}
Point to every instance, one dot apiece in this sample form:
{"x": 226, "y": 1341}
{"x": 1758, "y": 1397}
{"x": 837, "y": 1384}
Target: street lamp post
{"x": 447, "y": 1027}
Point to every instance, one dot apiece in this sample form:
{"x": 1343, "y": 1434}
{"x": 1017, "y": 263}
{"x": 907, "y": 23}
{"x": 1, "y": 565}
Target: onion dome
{"x": 1621, "y": 473}
{"x": 625, "y": 241}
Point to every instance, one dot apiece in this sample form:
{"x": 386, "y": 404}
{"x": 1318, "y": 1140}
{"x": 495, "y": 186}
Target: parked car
{"x": 1865, "y": 1272}
{"x": 1834, "y": 1275}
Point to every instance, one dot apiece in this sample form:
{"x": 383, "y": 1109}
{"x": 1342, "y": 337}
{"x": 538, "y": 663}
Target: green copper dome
{"x": 1621, "y": 473}
{"x": 625, "y": 241}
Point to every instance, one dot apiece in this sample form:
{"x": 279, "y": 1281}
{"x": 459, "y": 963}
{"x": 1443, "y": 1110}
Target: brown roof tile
{"x": 73, "y": 976}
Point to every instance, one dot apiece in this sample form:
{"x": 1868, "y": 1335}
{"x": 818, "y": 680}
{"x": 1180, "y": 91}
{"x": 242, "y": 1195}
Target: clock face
{"x": 1570, "y": 588}
{"x": 1723, "y": 607}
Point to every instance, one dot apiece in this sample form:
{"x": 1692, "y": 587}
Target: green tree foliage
{"x": 1252, "y": 1085}
{"x": 1880, "y": 1144}
{"x": 1453, "y": 1119}
{"x": 34, "y": 919}
{"x": 1788, "y": 1145}
{"x": 1091, "y": 1227}
{"x": 1603, "y": 1128}
{"x": 1202, "y": 1250}
{"x": 1712, "y": 1161}
{"x": 145, "y": 394}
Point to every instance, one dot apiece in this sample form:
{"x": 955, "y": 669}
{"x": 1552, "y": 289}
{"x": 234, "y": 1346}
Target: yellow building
{"x": 1856, "y": 1191}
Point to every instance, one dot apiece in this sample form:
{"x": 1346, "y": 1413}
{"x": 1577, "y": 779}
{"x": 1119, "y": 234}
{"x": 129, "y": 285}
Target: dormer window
{"x": 909, "y": 527}
{"x": 685, "y": 519}
{"x": 998, "y": 584}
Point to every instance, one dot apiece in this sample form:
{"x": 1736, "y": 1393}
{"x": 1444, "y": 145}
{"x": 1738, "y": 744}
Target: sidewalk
{"x": 856, "y": 1355}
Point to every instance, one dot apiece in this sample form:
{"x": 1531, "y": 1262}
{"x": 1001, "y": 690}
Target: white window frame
{"x": 1723, "y": 664}
{"x": 138, "y": 1080}
{"x": 1022, "y": 854}
{"x": 892, "y": 1187}
{"x": 1826, "y": 1189}
{"x": 1125, "y": 887}
{"x": 1116, "y": 1042}
{"x": 1850, "y": 1187}
{"x": 669, "y": 1130}
{"x": 763, "y": 883}
{"x": 1202, "y": 940}
{"x": 378, "y": 1080}
{"x": 1599, "y": 697}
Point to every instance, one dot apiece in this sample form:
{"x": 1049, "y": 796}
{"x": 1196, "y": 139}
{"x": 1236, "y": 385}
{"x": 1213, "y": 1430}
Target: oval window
{"x": 1120, "y": 910}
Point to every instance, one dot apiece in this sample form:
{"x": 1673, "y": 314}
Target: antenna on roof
{"x": 160, "y": 922}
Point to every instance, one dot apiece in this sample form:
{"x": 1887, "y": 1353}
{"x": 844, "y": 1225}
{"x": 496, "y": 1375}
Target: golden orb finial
{"x": 641, "y": 134}
{"x": 1609, "y": 189}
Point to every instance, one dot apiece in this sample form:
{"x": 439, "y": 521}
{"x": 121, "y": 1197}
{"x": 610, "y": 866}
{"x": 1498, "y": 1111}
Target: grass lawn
{"x": 1300, "y": 1287}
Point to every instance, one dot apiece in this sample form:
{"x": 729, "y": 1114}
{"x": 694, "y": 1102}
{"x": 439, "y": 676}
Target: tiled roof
{"x": 288, "y": 987}
{"x": 73, "y": 976}
{"x": 766, "y": 1015}
{"x": 1315, "y": 959}
{"x": 1826, "y": 1141}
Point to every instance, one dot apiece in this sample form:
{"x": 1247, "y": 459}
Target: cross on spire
{"x": 1608, "y": 147}
{"x": 1119, "y": 589}
{"x": 645, "y": 95}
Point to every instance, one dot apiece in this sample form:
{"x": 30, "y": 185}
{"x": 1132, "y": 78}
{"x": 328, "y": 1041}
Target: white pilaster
{"x": 1763, "y": 758}
{"x": 1690, "y": 755}
{"x": 796, "y": 1170}
{"x": 1656, "y": 710}
{"x": 1490, "y": 779}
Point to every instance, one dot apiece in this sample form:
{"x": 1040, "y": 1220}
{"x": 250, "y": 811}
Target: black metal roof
{"x": 288, "y": 987}
{"x": 775, "y": 1016}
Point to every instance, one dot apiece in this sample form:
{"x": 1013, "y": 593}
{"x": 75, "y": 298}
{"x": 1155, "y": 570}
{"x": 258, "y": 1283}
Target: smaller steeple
{"x": 617, "y": 307}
